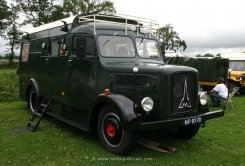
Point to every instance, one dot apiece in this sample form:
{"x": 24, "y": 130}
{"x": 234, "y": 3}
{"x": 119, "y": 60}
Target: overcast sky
{"x": 215, "y": 26}
{"x": 208, "y": 26}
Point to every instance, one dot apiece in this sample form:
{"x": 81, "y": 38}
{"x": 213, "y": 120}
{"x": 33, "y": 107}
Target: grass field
{"x": 221, "y": 142}
{"x": 9, "y": 90}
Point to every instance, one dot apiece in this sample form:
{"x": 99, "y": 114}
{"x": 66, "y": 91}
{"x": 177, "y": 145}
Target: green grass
{"x": 221, "y": 142}
{"x": 6, "y": 65}
{"x": 9, "y": 90}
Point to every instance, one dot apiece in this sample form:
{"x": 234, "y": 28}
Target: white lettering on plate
{"x": 192, "y": 121}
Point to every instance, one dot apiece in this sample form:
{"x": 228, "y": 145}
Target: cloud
{"x": 204, "y": 25}
{"x": 219, "y": 39}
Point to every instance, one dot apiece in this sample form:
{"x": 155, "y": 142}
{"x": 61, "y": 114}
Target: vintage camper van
{"x": 104, "y": 73}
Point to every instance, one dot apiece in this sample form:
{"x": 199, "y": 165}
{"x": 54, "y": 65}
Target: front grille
{"x": 133, "y": 80}
{"x": 184, "y": 92}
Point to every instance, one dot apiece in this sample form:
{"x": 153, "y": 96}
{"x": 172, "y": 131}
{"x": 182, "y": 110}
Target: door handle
{"x": 46, "y": 61}
{"x": 70, "y": 60}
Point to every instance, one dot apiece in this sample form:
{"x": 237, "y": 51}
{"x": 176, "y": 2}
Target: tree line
{"x": 39, "y": 12}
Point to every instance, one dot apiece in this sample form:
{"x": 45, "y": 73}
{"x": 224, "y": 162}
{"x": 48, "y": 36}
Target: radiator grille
{"x": 184, "y": 92}
{"x": 133, "y": 80}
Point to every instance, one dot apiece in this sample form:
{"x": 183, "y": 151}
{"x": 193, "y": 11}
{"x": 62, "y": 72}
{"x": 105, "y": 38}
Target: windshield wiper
{"x": 142, "y": 40}
{"x": 109, "y": 40}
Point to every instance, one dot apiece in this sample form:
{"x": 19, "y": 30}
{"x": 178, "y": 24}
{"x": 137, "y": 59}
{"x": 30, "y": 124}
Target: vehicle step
{"x": 38, "y": 115}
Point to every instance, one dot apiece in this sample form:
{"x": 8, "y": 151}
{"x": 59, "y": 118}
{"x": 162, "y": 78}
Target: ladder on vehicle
{"x": 38, "y": 114}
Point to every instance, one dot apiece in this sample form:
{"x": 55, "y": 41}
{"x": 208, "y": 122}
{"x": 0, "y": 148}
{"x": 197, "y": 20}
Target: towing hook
{"x": 203, "y": 124}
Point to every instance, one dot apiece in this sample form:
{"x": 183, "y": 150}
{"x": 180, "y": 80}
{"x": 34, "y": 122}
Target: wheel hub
{"x": 110, "y": 130}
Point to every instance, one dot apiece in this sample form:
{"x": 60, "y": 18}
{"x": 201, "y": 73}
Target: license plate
{"x": 192, "y": 121}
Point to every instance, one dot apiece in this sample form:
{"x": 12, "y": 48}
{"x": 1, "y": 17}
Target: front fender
{"x": 124, "y": 105}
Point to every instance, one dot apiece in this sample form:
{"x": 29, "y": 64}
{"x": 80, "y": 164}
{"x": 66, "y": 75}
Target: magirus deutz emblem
{"x": 185, "y": 101}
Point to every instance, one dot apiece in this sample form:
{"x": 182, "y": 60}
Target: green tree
{"x": 170, "y": 38}
{"x": 218, "y": 55}
{"x": 39, "y": 12}
{"x": 13, "y": 34}
{"x": 5, "y": 14}
{"x": 87, "y": 6}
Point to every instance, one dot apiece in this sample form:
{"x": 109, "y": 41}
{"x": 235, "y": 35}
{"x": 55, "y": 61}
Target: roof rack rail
{"x": 121, "y": 19}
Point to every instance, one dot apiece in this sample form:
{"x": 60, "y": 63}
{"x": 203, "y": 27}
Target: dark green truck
{"x": 106, "y": 73}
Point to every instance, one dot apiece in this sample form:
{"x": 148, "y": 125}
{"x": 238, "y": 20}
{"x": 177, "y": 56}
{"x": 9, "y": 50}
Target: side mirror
{"x": 81, "y": 47}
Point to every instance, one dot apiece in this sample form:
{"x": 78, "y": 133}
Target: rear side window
{"x": 54, "y": 47}
{"x": 25, "y": 52}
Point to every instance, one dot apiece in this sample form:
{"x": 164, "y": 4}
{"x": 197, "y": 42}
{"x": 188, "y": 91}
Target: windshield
{"x": 237, "y": 65}
{"x": 147, "y": 48}
{"x": 116, "y": 46}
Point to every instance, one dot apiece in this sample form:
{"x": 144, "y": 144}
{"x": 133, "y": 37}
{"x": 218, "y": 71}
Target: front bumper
{"x": 180, "y": 121}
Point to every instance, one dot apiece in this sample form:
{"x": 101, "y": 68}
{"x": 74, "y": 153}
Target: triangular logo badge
{"x": 185, "y": 101}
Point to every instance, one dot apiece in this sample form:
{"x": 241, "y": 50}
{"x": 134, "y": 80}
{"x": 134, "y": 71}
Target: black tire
{"x": 187, "y": 132}
{"x": 32, "y": 100}
{"x": 111, "y": 134}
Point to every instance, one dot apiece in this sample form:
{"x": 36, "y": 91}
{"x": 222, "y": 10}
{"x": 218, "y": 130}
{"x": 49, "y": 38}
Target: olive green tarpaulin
{"x": 209, "y": 69}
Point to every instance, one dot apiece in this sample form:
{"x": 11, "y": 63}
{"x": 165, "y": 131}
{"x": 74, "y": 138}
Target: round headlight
{"x": 203, "y": 98}
{"x": 147, "y": 104}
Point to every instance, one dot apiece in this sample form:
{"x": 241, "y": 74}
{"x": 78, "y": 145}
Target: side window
{"x": 90, "y": 46}
{"x": 83, "y": 46}
{"x": 25, "y": 52}
{"x": 74, "y": 43}
{"x": 63, "y": 51}
{"x": 54, "y": 47}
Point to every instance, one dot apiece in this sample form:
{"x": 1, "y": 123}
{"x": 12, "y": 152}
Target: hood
{"x": 144, "y": 66}
{"x": 237, "y": 72}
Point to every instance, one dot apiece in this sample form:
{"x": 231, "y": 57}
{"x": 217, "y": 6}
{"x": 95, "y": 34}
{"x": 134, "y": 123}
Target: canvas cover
{"x": 209, "y": 69}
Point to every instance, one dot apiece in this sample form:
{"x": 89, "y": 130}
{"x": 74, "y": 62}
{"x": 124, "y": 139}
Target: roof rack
{"x": 121, "y": 19}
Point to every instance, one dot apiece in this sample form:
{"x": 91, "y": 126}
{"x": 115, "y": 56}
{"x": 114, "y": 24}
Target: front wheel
{"x": 187, "y": 132}
{"x": 111, "y": 133}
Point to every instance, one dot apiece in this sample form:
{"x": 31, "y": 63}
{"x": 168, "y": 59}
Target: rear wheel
{"x": 187, "y": 132}
{"x": 33, "y": 100}
{"x": 111, "y": 133}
